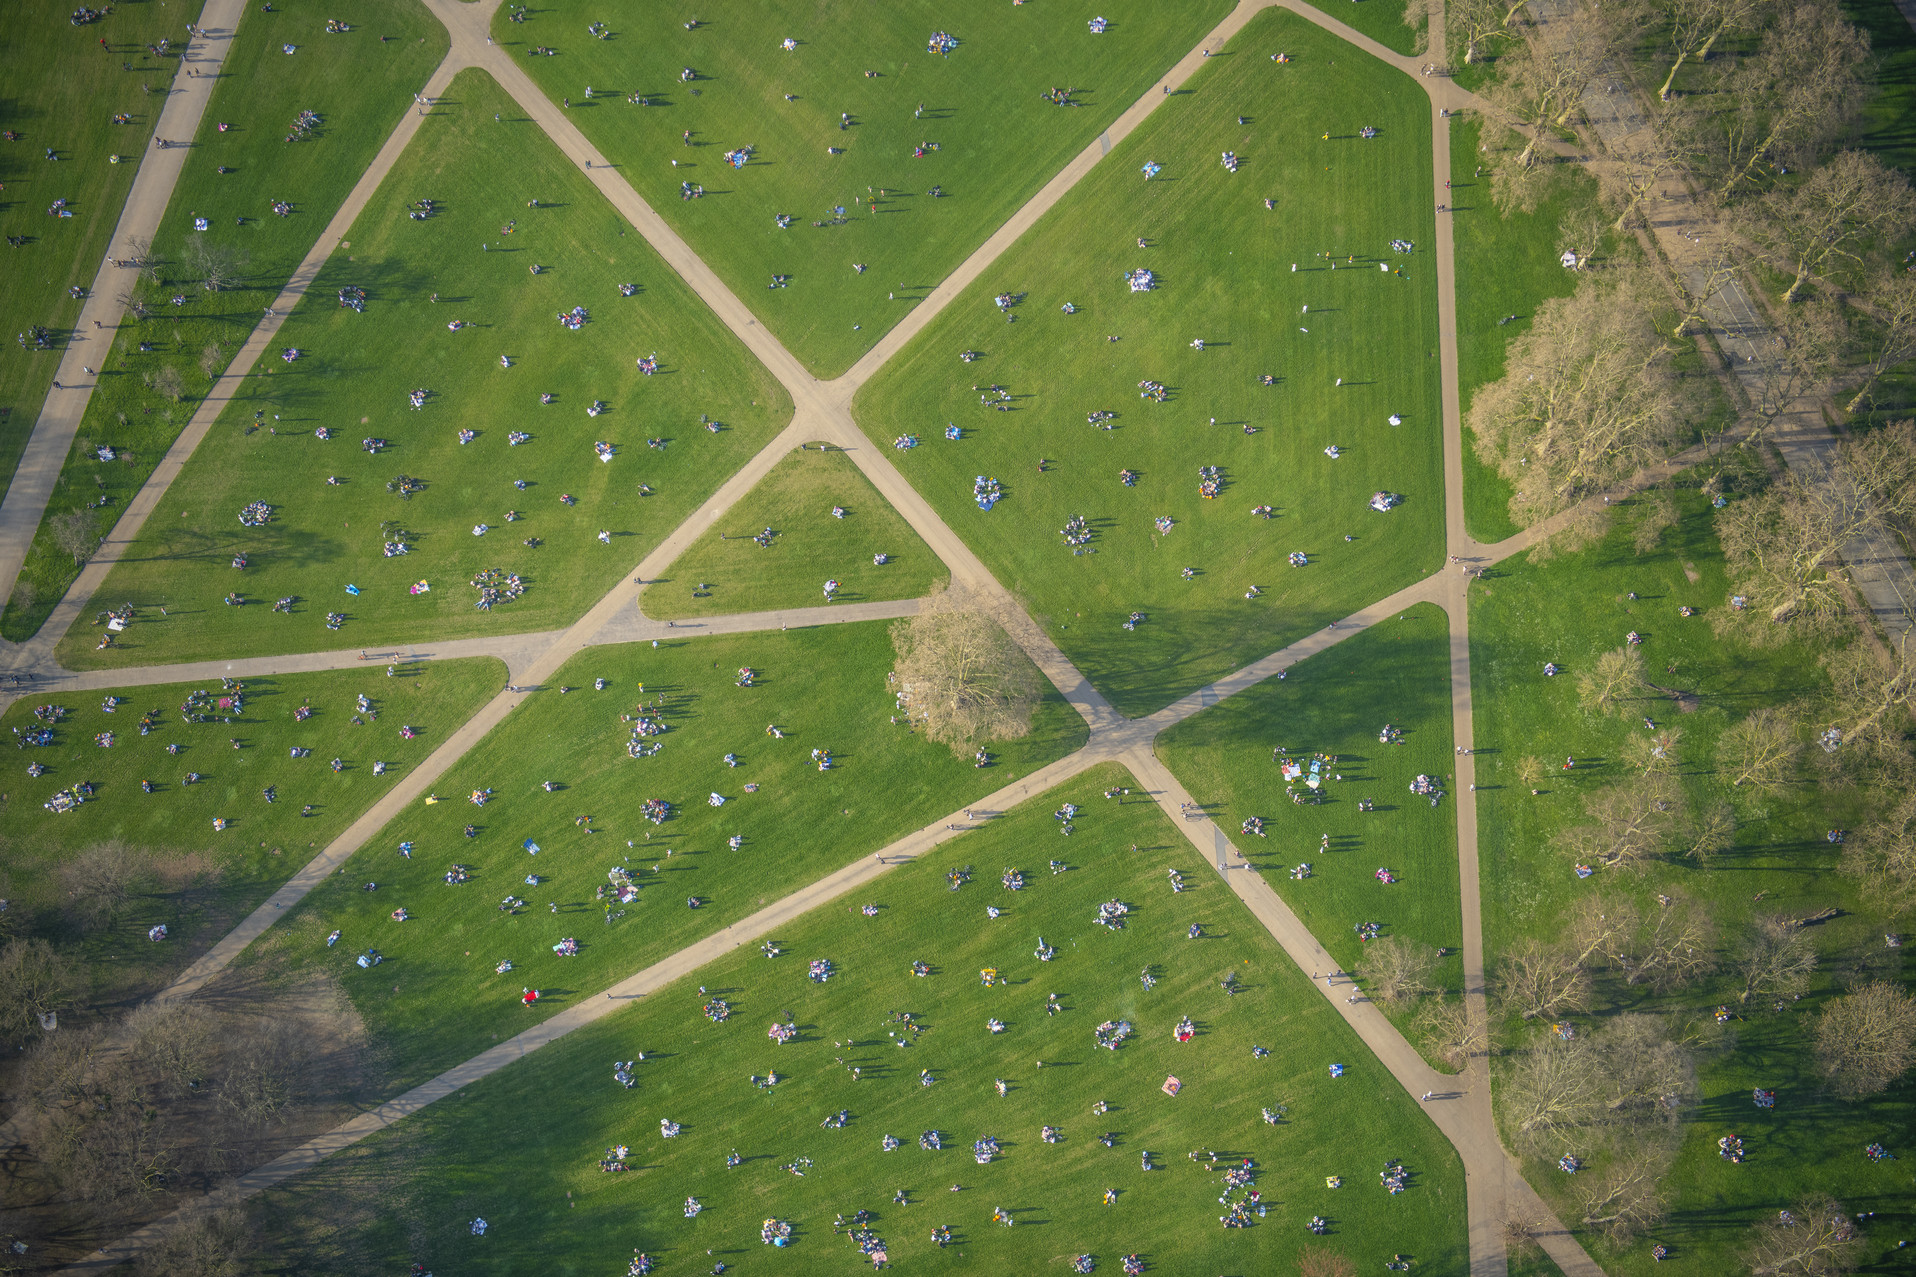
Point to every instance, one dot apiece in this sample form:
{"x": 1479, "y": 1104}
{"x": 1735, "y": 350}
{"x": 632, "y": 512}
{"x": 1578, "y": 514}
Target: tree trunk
{"x": 1795, "y": 292}
{"x": 1663, "y": 94}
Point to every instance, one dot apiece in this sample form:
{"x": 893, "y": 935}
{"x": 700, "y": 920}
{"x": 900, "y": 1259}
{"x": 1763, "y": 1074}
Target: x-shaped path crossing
{"x": 1460, "y": 1105}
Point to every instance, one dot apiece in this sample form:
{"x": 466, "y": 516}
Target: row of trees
{"x": 1592, "y": 392}
{"x": 1616, "y": 1093}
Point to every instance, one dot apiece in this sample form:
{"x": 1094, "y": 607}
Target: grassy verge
{"x": 528, "y": 1166}
{"x": 1568, "y": 611}
{"x": 824, "y": 688}
{"x": 184, "y": 873}
{"x": 1889, "y": 118}
{"x": 730, "y": 572}
{"x": 1506, "y": 267}
{"x": 143, "y": 398}
{"x": 1223, "y": 263}
{"x": 355, "y": 377}
{"x": 1338, "y": 703}
{"x": 63, "y": 92}
{"x": 989, "y": 140}
{"x": 1381, "y": 20}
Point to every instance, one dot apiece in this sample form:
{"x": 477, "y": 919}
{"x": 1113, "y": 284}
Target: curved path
{"x": 822, "y": 411}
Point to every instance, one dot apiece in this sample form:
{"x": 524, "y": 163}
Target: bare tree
{"x": 1837, "y": 214}
{"x": 1803, "y": 352}
{"x": 1870, "y": 693}
{"x": 216, "y": 266}
{"x": 165, "y": 381}
{"x": 1451, "y": 1032}
{"x": 260, "y": 1067}
{"x": 1719, "y": 262}
{"x": 1866, "y": 1040}
{"x": 1674, "y": 948}
{"x": 36, "y": 982}
{"x": 1814, "y": 1238}
{"x": 1784, "y": 545}
{"x": 1398, "y": 971}
{"x": 1589, "y": 396}
{"x": 1630, "y": 822}
{"x": 1696, "y": 25}
{"x": 1882, "y": 857}
{"x": 1775, "y": 960}
{"x": 77, "y": 532}
{"x": 1640, "y": 160}
{"x": 1539, "y": 980}
{"x": 1472, "y": 25}
{"x": 1628, "y": 1075}
{"x": 1889, "y": 339}
{"x": 1658, "y": 752}
{"x": 1626, "y": 1195}
{"x": 960, "y": 677}
{"x": 1553, "y": 1087}
{"x": 1761, "y": 750}
{"x": 1532, "y": 771}
{"x": 1602, "y": 927}
{"x": 1606, "y": 681}
{"x": 1543, "y": 79}
{"x": 1803, "y": 88}
{"x": 203, "y": 1243}
{"x": 1713, "y": 831}
{"x": 172, "y": 1039}
{"x": 99, "y": 881}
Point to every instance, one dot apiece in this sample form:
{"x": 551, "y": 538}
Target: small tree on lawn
{"x": 1815, "y": 1238}
{"x": 1866, "y": 1040}
{"x": 1610, "y": 678}
{"x": 960, "y": 677}
{"x": 1398, "y": 971}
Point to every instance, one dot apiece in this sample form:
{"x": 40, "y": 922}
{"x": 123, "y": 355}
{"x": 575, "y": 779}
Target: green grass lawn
{"x": 824, "y": 688}
{"x": 997, "y": 140}
{"x": 1374, "y": 329}
{"x": 359, "y": 87}
{"x": 504, "y": 1150}
{"x": 1889, "y": 119}
{"x": 1381, "y": 20}
{"x": 356, "y": 377}
{"x": 1338, "y": 703}
{"x": 1569, "y": 610}
{"x": 796, "y": 501}
{"x": 63, "y": 91}
{"x": 1506, "y": 266}
{"x": 198, "y": 880}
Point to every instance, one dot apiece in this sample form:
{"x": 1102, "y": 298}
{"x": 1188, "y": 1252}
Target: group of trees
{"x": 1756, "y": 101}
{"x": 1590, "y": 395}
{"x": 1615, "y": 1091}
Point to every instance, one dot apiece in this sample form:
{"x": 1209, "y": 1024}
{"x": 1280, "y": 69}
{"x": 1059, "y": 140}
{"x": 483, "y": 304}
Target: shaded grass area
{"x": 1889, "y": 118}
{"x": 1224, "y": 269}
{"x": 728, "y": 571}
{"x": 192, "y": 878}
{"x": 62, "y": 93}
{"x": 1506, "y": 266}
{"x": 989, "y": 138}
{"x": 1569, "y": 610}
{"x": 357, "y": 85}
{"x": 676, "y": 435}
{"x": 823, "y": 688}
{"x": 502, "y": 1150}
{"x": 1338, "y": 702}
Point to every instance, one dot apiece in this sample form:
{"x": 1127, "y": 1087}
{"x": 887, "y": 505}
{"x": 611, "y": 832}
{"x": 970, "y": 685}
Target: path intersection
{"x": 1460, "y": 1106}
